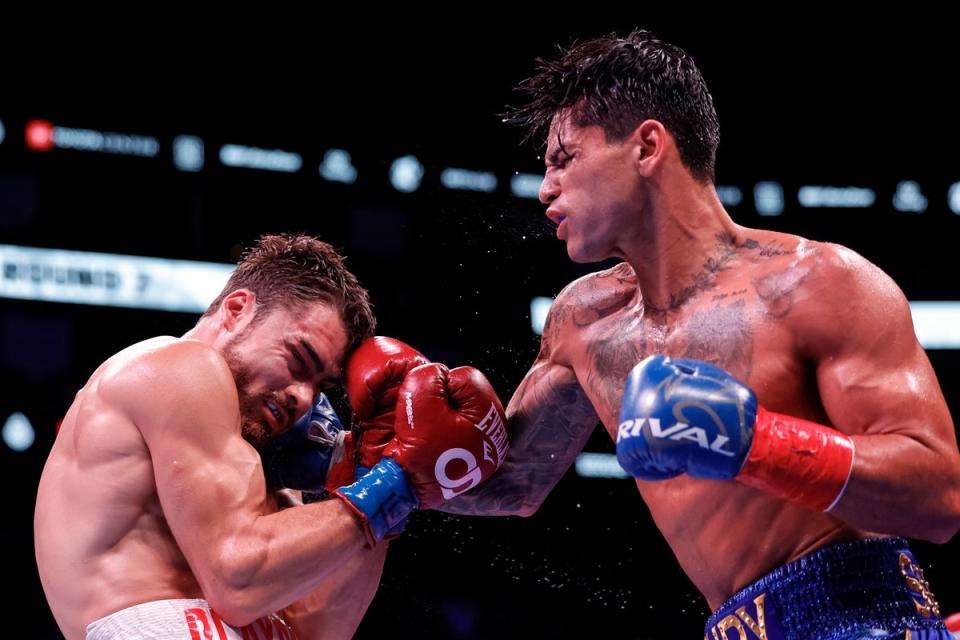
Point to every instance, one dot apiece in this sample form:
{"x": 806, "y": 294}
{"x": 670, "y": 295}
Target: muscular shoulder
{"x": 586, "y": 300}
{"x": 167, "y": 377}
{"x": 167, "y": 361}
{"x": 596, "y": 294}
{"x": 845, "y": 299}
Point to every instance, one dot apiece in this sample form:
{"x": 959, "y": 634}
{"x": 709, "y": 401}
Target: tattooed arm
{"x": 549, "y": 419}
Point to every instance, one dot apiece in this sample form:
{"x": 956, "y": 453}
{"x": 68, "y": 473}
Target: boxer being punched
{"x": 791, "y": 427}
{"x": 154, "y": 518}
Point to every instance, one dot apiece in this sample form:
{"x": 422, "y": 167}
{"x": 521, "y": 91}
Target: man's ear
{"x": 650, "y": 141}
{"x": 237, "y": 309}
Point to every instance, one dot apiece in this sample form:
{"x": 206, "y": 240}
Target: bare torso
{"x": 736, "y": 314}
{"x": 101, "y": 539}
{"x": 154, "y": 489}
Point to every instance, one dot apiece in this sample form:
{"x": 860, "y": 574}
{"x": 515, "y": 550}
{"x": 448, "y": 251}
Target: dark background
{"x": 802, "y": 99}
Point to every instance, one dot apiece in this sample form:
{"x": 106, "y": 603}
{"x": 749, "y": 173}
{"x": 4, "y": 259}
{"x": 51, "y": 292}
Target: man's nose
{"x": 549, "y": 190}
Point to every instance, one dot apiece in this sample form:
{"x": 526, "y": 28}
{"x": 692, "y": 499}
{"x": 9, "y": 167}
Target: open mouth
{"x": 276, "y": 413}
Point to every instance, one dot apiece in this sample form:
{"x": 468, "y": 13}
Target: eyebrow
{"x": 317, "y": 362}
{"x": 555, "y": 155}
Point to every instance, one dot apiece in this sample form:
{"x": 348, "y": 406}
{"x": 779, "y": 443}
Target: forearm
{"x": 544, "y": 442}
{"x": 517, "y": 489}
{"x": 904, "y": 487}
{"x": 335, "y": 609}
{"x": 888, "y": 483}
{"x": 279, "y": 558}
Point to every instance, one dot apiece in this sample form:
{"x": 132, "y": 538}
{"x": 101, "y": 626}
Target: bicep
{"x": 872, "y": 374}
{"x": 208, "y": 478}
{"x": 210, "y": 485}
{"x": 883, "y": 388}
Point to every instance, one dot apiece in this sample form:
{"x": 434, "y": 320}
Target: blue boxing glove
{"x": 315, "y": 454}
{"x": 382, "y": 498}
{"x": 684, "y": 416}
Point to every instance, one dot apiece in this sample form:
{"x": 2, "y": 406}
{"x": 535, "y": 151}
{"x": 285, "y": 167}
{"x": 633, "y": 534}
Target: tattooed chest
{"x": 722, "y": 335}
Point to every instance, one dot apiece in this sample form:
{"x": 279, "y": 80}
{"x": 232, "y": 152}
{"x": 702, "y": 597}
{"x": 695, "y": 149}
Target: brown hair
{"x": 287, "y": 269}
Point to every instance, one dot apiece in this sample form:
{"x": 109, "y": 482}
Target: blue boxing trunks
{"x": 846, "y": 591}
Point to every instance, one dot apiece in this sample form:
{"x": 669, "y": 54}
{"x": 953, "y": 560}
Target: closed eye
{"x": 317, "y": 361}
{"x": 301, "y": 363}
{"x": 297, "y": 366}
{"x": 559, "y": 160}
{"x": 314, "y": 367}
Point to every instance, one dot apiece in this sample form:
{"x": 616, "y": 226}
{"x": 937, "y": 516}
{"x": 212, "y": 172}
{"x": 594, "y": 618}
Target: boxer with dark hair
{"x": 767, "y": 392}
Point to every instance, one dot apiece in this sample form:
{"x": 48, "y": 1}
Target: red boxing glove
{"x": 450, "y": 431}
{"x": 953, "y": 624}
{"x": 373, "y": 376}
{"x": 343, "y": 469}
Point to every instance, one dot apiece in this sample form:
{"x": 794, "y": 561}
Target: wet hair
{"x": 617, "y": 83}
{"x": 291, "y": 269}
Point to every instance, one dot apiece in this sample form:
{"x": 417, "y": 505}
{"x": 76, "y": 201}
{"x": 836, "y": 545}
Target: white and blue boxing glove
{"x": 686, "y": 416}
{"x": 313, "y": 455}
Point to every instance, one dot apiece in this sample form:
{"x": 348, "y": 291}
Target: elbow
{"x": 234, "y": 607}
{"x": 527, "y": 510}
{"x": 233, "y": 613}
{"x": 944, "y": 533}
{"x": 945, "y": 523}
{"x": 527, "y": 507}
{"x": 942, "y": 537}
{"x": 951, "y": 521}
{"x": 231, "y": 604}
{"x": 230, "y": 589}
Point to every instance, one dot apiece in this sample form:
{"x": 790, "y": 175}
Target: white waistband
{"x": 181, "y": 619}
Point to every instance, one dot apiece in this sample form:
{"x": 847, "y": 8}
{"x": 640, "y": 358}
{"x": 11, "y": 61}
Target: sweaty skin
{"x": 817, "y": 331}
{"x": 151, "y": 492}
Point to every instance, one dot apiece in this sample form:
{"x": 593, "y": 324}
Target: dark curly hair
{"x": 287, "y": 269}
{"x": 617, "y": 83}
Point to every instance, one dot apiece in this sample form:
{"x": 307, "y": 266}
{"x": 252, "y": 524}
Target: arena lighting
{"x": 599, "y": 465}
{"x": 18, "y": 433}
{"x": 813, "y": 197}
{"x": 526, "y": 185}
{"x": 56, "y": 275}
{"x": 936, "y": 322}
{"x": 237, "y": 155}
{"x": 539, "y": 307}
{"x": 42, "y": 135}
{"x": 909, "y": 197}
{"x": 768, "y": 198}
{"x": 953, "y": 197}
{"x": 337, "y": 166}
{"x": 188, "y": 153}
{"x": 406, "y": 174}
{"x": 467, "y": 180}
{"x": 38, "y": 135}
{"x": 730, "y": 196}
